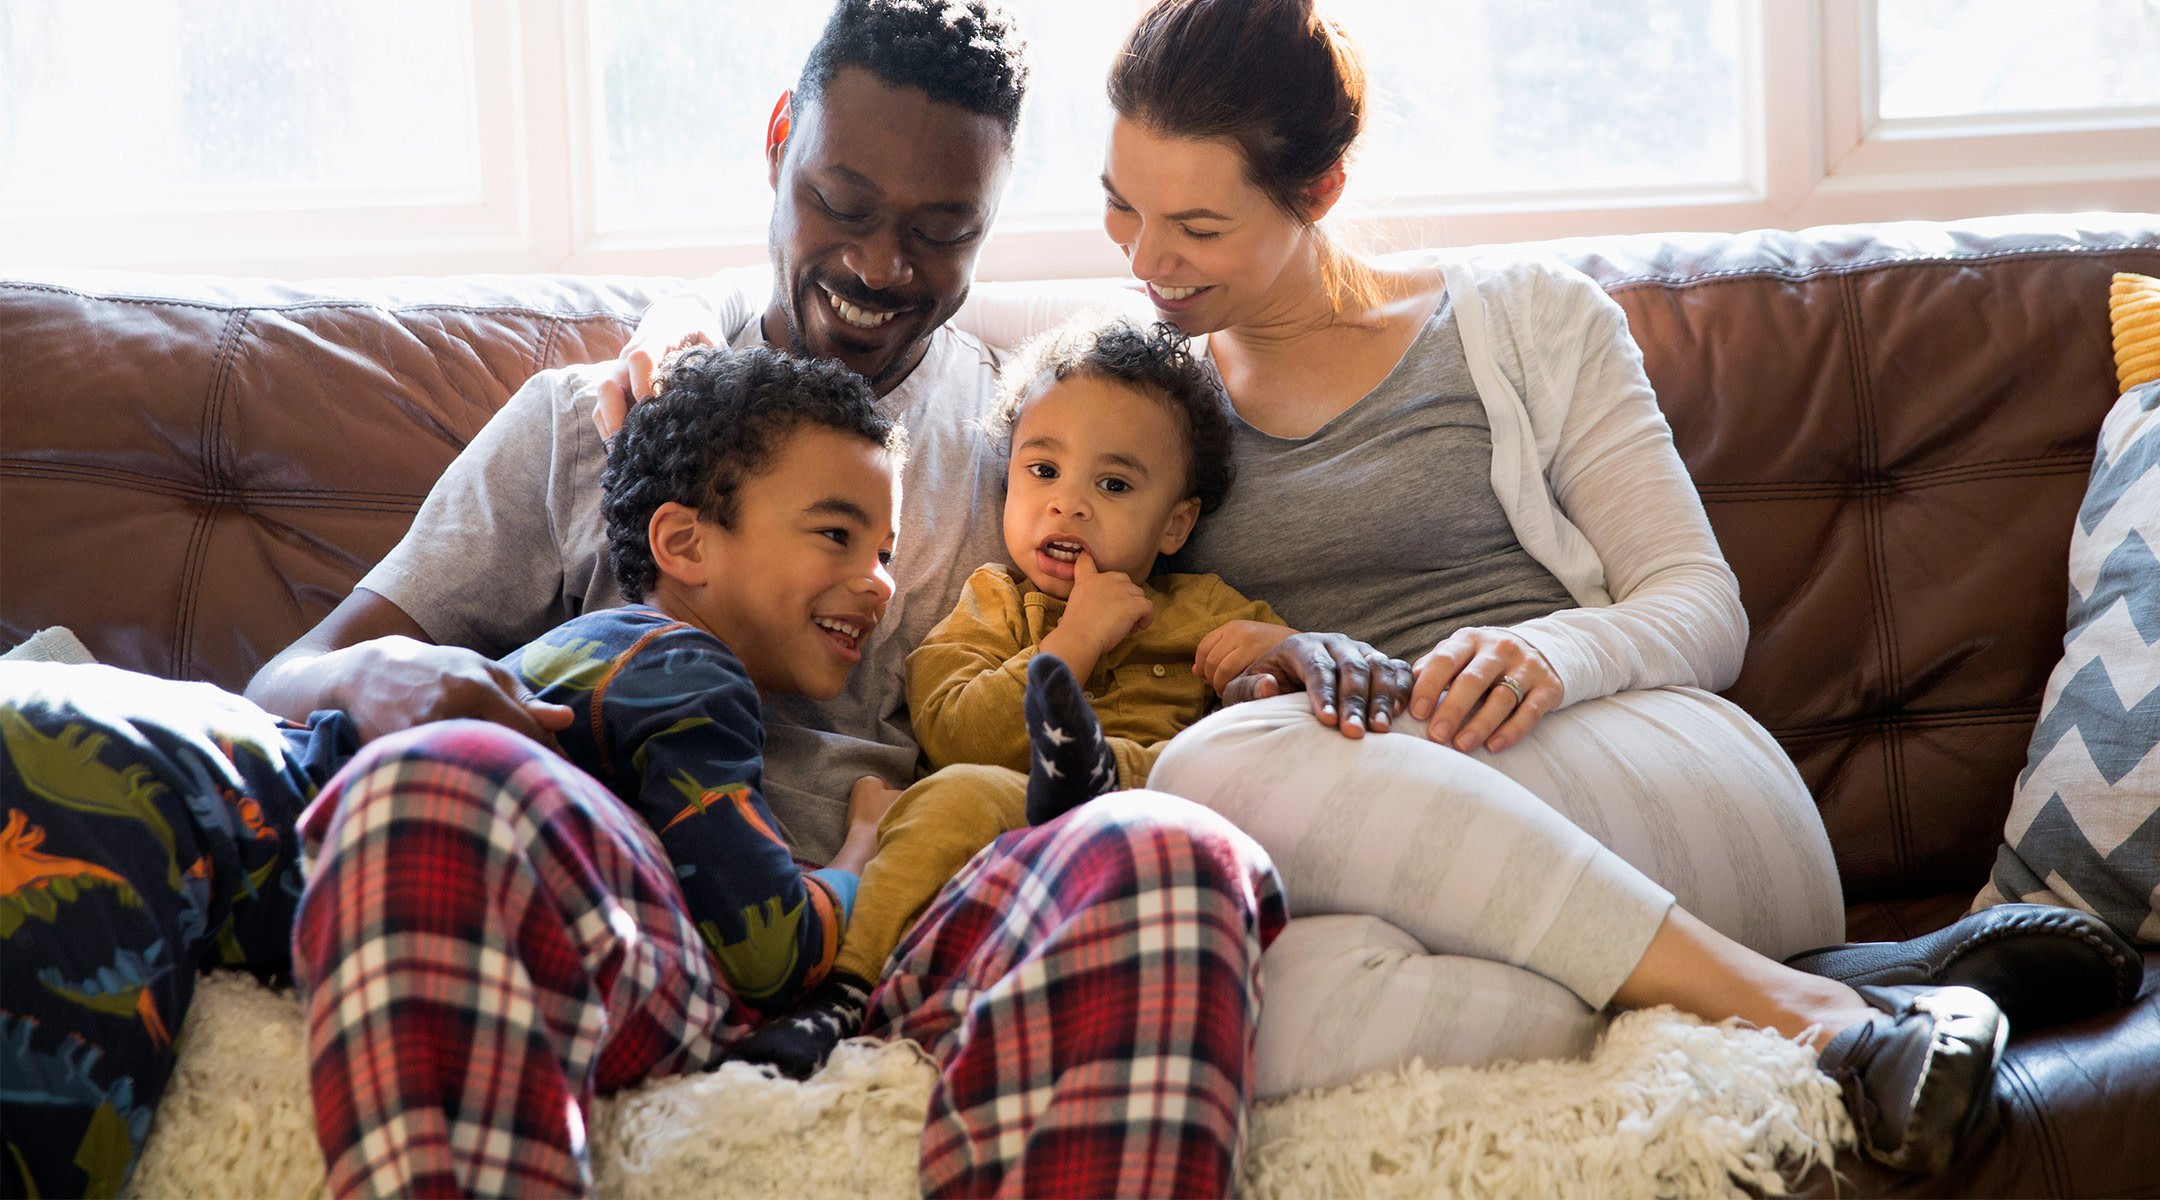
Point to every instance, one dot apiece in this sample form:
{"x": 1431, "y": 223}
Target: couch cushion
{"x": 1891, "y": 427}
{"x": 195, "y": 469}
{"x": 2084, "y": 826}
{"x": 2134, "y": 314}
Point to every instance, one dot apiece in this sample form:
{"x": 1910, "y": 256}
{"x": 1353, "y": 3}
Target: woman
{"x": 1461, "y": 463}
{"x": 1523, "y": 531}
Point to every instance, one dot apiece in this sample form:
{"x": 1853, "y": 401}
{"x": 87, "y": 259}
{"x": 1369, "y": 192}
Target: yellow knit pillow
{"x": 2134, "y": 310}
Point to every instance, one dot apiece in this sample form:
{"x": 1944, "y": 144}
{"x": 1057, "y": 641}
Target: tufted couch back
{"x": 1891, "y": 427}
{"x": 194, "y": 469}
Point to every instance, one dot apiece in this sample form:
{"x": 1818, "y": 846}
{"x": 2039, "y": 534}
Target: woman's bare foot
{"x": 1698, "y": 970}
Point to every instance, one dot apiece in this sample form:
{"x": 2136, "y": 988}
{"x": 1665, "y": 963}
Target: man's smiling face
{"x": 882, "y": 200}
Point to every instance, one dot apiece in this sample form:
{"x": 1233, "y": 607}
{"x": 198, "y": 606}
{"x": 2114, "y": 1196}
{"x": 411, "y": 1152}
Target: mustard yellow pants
{"x": 931, "y": 832}
{"x": 928, "y": 834}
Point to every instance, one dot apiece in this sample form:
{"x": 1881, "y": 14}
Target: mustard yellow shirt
{"x": 967, "y": 679}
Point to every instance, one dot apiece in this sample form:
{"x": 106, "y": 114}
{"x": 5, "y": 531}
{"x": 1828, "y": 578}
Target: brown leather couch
{"x": 1891, "y": 426}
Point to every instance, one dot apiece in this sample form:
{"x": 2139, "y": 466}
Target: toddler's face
{"x": 1097, "y": 466}
{"x": 804, "y": 575}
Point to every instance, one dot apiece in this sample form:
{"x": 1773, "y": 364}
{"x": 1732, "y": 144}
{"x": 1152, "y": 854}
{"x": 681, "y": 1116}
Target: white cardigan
{"x": 1584, "y": 466}
{"x": 1583, "y": 461}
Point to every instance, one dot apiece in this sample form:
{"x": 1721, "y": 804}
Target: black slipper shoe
{"x": 2040, "y": 964}
{"x": 1917, "y": 1078}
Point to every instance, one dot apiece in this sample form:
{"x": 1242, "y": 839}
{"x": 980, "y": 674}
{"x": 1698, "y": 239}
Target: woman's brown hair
{"x": 1277, "y": 77}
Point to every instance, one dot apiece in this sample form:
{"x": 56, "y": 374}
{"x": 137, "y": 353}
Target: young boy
{"x": 751, "y": 509}
{"x": 1120, "y": 441}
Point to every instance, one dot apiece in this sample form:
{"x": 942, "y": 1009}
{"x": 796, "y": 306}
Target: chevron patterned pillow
{"x": 2084, "y": 827}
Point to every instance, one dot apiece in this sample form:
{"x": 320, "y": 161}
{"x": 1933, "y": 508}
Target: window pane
{"x": 1471, "y": 97}
{"x": 203, "y": 101}
{"x": 1946, "y": 58}
{"x": 1555, "y": 96}
{"x": 686, "y": 87}
{"x": 1057, "y": 174}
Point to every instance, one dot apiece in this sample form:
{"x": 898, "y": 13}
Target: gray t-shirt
{"x": 1381, "y": 524}
{"x": 511, "y": 543}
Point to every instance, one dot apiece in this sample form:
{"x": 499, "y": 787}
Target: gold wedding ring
{"x": 1510, "y": 684}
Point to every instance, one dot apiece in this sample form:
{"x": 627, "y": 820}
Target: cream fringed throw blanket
{"x": 1666, "y": 1106}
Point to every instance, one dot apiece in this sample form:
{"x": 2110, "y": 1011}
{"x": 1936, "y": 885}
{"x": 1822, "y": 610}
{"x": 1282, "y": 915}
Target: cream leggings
{"x": 1476, "y": 908}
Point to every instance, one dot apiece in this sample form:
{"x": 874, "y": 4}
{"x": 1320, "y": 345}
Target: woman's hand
{"x": 1353, "y": 686}
{"x": 1464, "y": 691}
{"x": 672, "y": 323}
{"x": 1224, "y": 654}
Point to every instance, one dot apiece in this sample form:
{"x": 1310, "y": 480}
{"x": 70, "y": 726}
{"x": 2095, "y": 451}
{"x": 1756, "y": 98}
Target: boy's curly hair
{"x": 964, "y": 52}
{"x": 1157, "y": 360}
{"x": 719, "y": 419}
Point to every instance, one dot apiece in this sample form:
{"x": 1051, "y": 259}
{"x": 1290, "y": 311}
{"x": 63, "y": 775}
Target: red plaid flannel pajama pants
{"x": 489, "y": 938}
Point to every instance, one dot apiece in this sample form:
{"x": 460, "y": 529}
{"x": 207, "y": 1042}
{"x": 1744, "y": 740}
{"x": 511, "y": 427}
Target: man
{"x": 883, "y": 198}
{"x": 483, "y": 953}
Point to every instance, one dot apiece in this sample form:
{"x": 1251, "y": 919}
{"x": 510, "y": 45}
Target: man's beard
{"x": 799, "y": 346}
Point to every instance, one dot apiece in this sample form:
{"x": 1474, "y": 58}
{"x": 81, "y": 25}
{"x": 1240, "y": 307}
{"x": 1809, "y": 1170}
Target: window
{"x": 1952, "y": 59}
{"x": 2054, "y": 106}
{"x": 244, "y": 132}
{"x": 1490, "y": 102}
{"x": 627, "y": 135}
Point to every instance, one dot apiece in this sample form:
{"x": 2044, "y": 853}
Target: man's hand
{"x": 1224, "y": 654}
{"x": 1353, "y": 686}
{"x": 1105, "y": 608}
{"x": 395, "y": 683}
{"x": 1461, "y": 694}
{"x": 672, "y": 323}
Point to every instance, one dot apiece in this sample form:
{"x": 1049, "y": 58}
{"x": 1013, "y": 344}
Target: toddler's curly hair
{"x": 1157, "y": 360}
{"x": 719, "y": 419}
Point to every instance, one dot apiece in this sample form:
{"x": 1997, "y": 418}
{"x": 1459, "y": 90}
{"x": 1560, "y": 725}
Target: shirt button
{"x": 1159, "y": 670}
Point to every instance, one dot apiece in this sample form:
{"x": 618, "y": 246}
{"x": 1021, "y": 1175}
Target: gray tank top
{"x": 1383, "y": 523}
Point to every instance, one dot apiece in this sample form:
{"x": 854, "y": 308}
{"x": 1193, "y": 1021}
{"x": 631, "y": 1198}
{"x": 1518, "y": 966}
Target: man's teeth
{"x": 860, "y": 318}
{"x": 1064, "y": 551}
{"x": 852, "y": 632}
{"x": 1174, "y": 293}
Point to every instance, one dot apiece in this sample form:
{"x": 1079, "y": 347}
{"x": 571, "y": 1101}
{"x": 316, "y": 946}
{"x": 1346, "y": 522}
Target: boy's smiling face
{"x": 1097, "y": 465}
{"x": 795, "y": 585}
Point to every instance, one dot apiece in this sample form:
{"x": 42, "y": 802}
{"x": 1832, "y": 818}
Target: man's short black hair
{"x": 1158, "y": 361}
{"x": 964, "y": 52}
{"x": 720, "y": 418}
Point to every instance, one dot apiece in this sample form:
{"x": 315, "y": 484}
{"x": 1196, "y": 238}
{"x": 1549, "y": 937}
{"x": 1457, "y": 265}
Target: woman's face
{"x": 1214, "y": 251}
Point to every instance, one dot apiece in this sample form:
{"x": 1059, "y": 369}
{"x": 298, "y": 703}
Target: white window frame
{"x": 1815, "y": 150}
